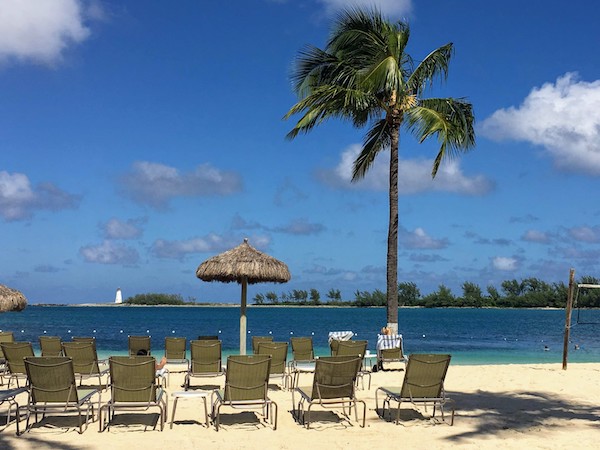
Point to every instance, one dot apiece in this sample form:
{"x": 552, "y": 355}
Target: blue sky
{"x": 139, "y": 138}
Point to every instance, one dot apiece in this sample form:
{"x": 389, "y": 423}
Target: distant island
{"x": 159, "y": 299}
{"x": 526, "y": 293}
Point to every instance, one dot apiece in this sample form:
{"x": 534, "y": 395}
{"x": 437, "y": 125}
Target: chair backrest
{"x": 257, "y": 340}
{"x": 335, "y": 377}
{"x": 14, "y": 352}
{"x": 352, "y": 348}
{"x": 424, "y": 376}
{"x": 139, "y": 345}
{"x": 5, "y": 336}
{"x": 133, "y": 379}
{"x": 333, "y": 346}
{"x": 87, "y": 339}
{"x": 84, "y": 356}
{"x": 247, "y": 377}
{"x": 278, "y": 352}
{"x": 206, "y": 357}
{"x": 208, "y": 338}
{"x": 302, "y": 348}
{"x": 390, "y": 346}
{"x": 51, "y": 346}
{"x": 52, "y": 379}
{"x": 175, "y": 348}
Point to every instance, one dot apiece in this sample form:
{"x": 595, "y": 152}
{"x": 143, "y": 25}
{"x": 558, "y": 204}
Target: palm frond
{"x": 434, "y": 65}
{"x": 377, "y": 138}
{"x": 451, "y": 120}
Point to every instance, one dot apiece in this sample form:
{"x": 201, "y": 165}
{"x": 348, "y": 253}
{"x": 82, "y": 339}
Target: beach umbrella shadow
{"x": 244, "y": 265}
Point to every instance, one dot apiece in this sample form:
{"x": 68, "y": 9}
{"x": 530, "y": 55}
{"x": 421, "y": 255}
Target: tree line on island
{"x": 527, "y": 293}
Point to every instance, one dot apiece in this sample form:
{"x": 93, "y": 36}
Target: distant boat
{"x": 118, "y": 296}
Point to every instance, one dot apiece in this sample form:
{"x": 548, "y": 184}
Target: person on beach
{"x": 159, "y": 365}
{"x": 386, "y": 331}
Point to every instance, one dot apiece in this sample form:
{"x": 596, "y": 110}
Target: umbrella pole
{"x": 243, "y": 317}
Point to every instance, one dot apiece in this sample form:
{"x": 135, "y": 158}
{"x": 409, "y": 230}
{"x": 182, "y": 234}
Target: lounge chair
{"x": 51, "y": 346}
{"x": 86, "y": 339}
{"x": 246, "y": 387}
{"x": 133, "y": 387}
{"x": 303, "y": 359}
{"x": 423, "y": 383}
{"x": 211, "y": 337}
{"x": 139, "y": 345}
{"x": 333, "y": 386}
{"x": 205, "y": 361}
{"x": 357, "y": 349}
{"x": 257, "y": 340}
{"x": 335, "y": 337}
{"x": 85, "y": 360}
{"x": 9, "y": 396}
{"x": 14, "y": 352}
{"x": 53, "y": 388}
{"x": 175, "y": 352}
{"x": 278, "y": 352}
{"x": 5, "y": 336}
{"x": 389, "y": 349}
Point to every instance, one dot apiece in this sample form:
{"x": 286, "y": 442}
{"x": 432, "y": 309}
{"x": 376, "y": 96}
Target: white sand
{"x": 504, "y": 406}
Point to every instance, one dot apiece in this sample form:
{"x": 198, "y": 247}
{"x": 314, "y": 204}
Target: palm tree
{"x": 365, "y": 75}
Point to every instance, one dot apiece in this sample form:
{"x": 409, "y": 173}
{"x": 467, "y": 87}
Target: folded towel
{"x": 340, "y": 335}
{"x": 389, "y": 341}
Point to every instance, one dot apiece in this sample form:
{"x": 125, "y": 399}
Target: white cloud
{"x": 19, "y": 200}
{"x": 561, "y": 117}
{"x": 109, "y": 253}
{"x": 395, "y": 8}
{"x": 156, "y": 184}
{"x": 505, "y": 264}
{"x": 585, "y": 234}
{"x": 300, "y": 227}
{"x": 419, "y": 239}
{"x": 414, "y": 175}
{"x": 41, "y": 30}
{"x": 212, "y": 243}
{"x": 536, "y": 236}
{"x": 117, "y": 229}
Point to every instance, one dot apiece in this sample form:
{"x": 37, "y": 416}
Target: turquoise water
{"x": 472, "y": 336}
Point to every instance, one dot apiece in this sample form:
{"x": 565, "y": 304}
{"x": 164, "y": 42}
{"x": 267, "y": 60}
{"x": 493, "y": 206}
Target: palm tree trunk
{"x": 392, "y": 250}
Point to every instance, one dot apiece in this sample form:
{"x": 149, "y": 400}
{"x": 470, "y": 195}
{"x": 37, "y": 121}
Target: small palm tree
{"x": 365, "y": 75}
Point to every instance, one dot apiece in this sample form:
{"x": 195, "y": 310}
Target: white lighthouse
{"x": 119, "y": 296}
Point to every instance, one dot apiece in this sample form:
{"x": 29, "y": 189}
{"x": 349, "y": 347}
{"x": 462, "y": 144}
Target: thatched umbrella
{"x": 243, "y": 264}
{"x": 11, "y": 299}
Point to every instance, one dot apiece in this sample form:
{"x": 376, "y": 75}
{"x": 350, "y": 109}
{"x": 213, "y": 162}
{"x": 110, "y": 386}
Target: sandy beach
{"x": 497, "y": 406}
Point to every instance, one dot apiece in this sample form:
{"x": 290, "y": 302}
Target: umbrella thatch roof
{"x": 11, "y": 299}
{"x": 243, "y": 261}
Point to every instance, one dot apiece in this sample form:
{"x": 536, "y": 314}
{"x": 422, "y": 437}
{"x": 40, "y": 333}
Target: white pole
{"x": 243, "y": 317}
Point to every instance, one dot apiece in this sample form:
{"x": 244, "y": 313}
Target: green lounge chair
{"x": 175, "y": 352}
{"x": 85, "y": 360}
{"x": 246, "y": 387}
{"x": 211, "y": 337}
{"x": 278, "y": 352}
{"x": 205, "y": 361}
{"x": 139, "y": 345}
{"x": 356, "y": 349}
{"x": 389, "y": 349}
{"x": 53, "y": 388}
{"x": 257, "y": 340}
{"x": 9, "y": 396}
{"x": 14, "y": 352}
{"x": 303, "y": 359}
{"x": 333, "y": 386}
{"x": 133, "y": 387}
{"x": 86, "y": 339}
{"x": 423, "y": 383}
{"x": 5, "y": 336}
{"x": 51, "y": 346}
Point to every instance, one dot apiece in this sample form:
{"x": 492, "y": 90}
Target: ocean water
{"x": 472, "y": 336}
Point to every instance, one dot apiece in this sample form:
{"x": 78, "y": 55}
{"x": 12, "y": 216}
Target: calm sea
{"x": 472, "y": 336}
